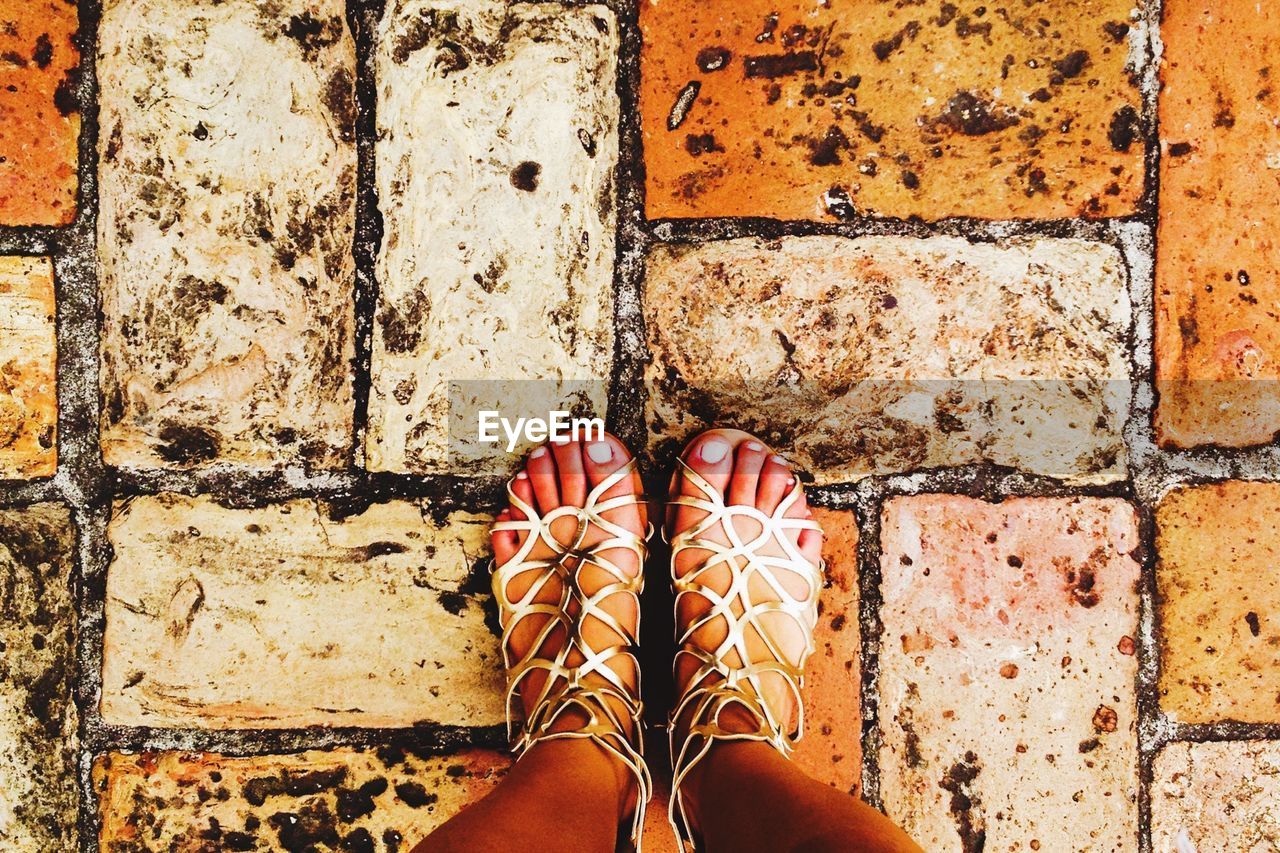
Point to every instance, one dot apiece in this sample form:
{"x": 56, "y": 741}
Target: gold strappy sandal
{"x": 571, "y": 686}
{"x": 715, "y": 685}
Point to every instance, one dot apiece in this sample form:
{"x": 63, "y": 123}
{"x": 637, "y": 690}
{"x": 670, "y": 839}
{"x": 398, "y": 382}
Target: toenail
{"x": 713, "y": 450}
{"x": 540, "y": 452}
{"x": 754, "y": 445}
{"x": 600, "y": 451}
{"x": 522, "y": 476}
{"x": 778, "y": 460}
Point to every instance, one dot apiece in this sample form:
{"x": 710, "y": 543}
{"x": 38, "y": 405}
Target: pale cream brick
{"x": 39, "y": 795}
{"x": 1007, "y": 673}
{"x": 225, "y": 233}
{"x": 887, "y": 354}
{"x": 1216, "y": 798}
{"x": 497, "y": 148}
{"x": 291, "y": 616}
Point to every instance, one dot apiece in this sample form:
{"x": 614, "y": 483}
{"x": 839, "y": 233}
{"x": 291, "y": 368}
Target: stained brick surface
{"x": 1218, "y": 260}
{"x": 1220, "y": 602}
{"x": 806, "y": 109}
{"x": 1007, "y": 671}
{"x": 290, "y": 616}
{"x": 225, "y": 232}
{"x": 38, "y": 793}
{"x": 28, "y": 354}
{"x": 1216, "y": 797}
{"x": 39, "y": 112}
{"x": 860, "y": 356}
{"x": 385, "y": 800}
{"x": 495, "y": 167}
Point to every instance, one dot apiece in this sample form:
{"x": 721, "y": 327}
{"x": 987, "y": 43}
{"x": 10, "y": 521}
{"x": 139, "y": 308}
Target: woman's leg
{"x": 744, "y": 796}
{"x": 566, "y": 794}
{"x": 562, "y": 795}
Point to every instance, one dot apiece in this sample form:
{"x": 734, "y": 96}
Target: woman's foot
{"x": 564, "y": 546}
{"x": 747, "y": 568}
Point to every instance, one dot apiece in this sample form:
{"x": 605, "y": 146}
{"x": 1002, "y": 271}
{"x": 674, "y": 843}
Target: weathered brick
{"x": 225, "y": 233}
{"x": 804, "y": 110}
{"x": 28, "y": 360}
{"x": 1216, "y": 797}
{"x": 1220, "y": 602}
{"x": 38, "y": 790}
{"x": 1218, "y": 259}
{"x": 290, "y": 615}
{"x": 831, "y": 750}
{"x": 1007, "y": 672}
{"x": 860, "y": 356}
{"x": 39, "y": 114}
{"x": 344, "y": 799}
{"x": 498, "y": 143}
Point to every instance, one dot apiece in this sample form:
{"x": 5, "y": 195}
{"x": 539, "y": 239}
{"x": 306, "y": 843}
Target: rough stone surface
{"x": 831, "y": 750}
{"x": 225, "y": 231}
{"x": 861, "y": 356}
{"x": 1216, "y": 798}
{"x": 39, "y": 114}
{"x": 289, "y": 616}
{"x": 808, "y": 110}
{"x": 38, "y": 792}
{"x": 384, "y": 801}
{"x": 1220, "y": 602}
{"x": 28, "y": 360}
{"x": 1007, "y": 673}
{"x": 496, "y": 154}
{"x": 1218, "y": 259}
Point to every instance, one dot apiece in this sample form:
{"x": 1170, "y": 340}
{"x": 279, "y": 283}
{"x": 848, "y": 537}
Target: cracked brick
{"x": 296, "y": 615}
{"x": 227, "y": 172}
{"x": 803, "y": 110}
{"x": 498, "y": 143}
{"x": 886, "y": 354}
{"x": 1007, "y": 703}
{"x": 28, "y": 361}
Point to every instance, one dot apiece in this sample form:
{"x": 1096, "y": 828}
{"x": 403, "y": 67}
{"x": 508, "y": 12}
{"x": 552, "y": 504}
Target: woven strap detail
{"x": 590, "y": 686}
{"x": 716, "y": 684}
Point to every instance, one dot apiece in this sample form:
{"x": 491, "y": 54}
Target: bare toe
{"x": 572, "y": 479}
{"x": 748, "y": 460}
{"x": 505, "y": 542}
{"x": 776, "y": 480}
{"x": 542, "y": 471}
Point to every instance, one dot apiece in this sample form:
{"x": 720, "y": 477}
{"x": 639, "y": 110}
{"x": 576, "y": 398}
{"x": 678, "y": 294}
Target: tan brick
{"x": 1217, "y": 259}
{"x": 39, "y": 796}
{"x": 804, "y": 110}
{"x": 291, "y": 616}
{"x": 498, "y": 142}
{"x": 39, "y": 115}
{"x": 225, "y": 234}
{"x": 385, "y": 800}
{"x": 1006, "y": 695}
{"x": 1210, "y": 797}
{"x": 28, "y": 362}
{"x": 1219, "y": 595}
{"x": 860, "y": 356}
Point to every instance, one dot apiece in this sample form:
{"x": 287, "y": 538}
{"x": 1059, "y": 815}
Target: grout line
{"x": 870, "y": 600}
{"x": 434, "y": 739}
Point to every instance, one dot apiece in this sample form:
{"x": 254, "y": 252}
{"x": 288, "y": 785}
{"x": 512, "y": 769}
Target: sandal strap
{"x": 715, "y": 685}
{"x": 590, "y": 686}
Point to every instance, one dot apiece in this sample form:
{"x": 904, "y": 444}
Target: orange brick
{"x": 343, "y": 799}
{"x": 28, "y": 354}
{"x": 1220, "y": 602}
{"x": 806, "y": 109}
{"x": 39, "y": 122}
{"x": 1218, "y": 261}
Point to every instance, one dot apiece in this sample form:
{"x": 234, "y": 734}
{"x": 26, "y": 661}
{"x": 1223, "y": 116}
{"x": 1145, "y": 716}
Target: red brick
{"x": 761, "y": 108}
{"x": 39, "y": 118}
{"x": 1217, "y": 259}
